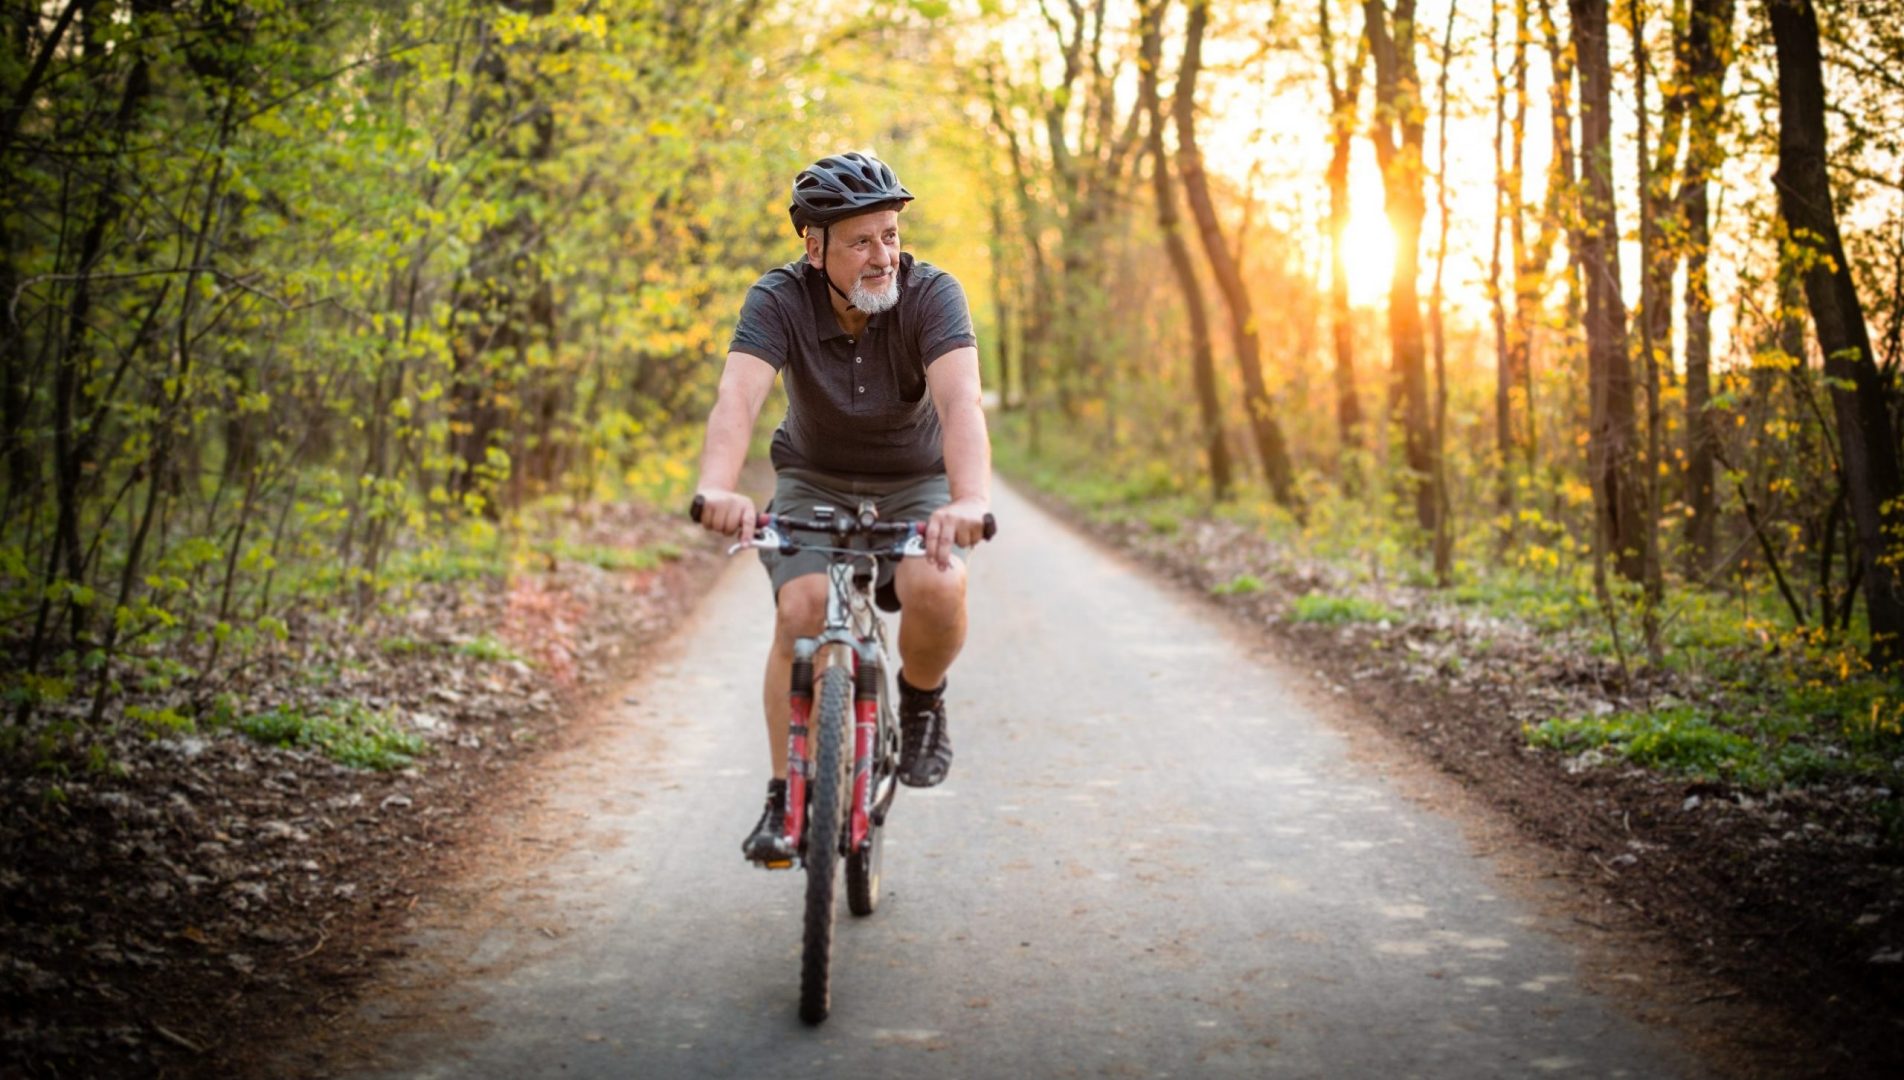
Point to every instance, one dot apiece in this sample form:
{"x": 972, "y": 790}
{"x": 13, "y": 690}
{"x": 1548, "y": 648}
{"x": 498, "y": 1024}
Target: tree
{"x": 1397, "y": 133}
{"x": 1344, "y": 91}
{"x": 1270, "y": 446}
{"x": 1203, "y": 362}
{"x": 1619, "y": 502}
{"x": 1866, "y": 438}
{"x": 1708, "y": 52}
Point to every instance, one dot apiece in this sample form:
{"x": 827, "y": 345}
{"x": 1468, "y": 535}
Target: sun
{"x": 1368, "y": 255}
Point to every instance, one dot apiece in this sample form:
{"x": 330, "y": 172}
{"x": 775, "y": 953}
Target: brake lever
{"x": 766, "y": 537}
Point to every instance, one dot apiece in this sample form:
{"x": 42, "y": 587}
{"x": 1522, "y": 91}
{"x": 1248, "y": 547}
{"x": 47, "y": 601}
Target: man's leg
{"x": 932, "y": 626}
{"x": 931, "y": 633}
{"x": 800, "y": 612}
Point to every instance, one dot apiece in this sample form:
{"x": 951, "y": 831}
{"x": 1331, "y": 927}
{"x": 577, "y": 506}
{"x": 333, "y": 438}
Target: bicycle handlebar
{"x": 845, "y": 525}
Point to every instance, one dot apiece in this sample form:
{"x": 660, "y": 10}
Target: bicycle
{"x": 837, "y": 806}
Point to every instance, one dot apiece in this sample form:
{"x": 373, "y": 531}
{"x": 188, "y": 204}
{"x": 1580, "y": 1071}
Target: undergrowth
{"x": 1780, "y": 703}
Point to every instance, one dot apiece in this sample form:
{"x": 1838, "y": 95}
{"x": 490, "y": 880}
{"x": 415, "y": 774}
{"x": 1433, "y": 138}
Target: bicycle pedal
{"x": 776, "y": 864}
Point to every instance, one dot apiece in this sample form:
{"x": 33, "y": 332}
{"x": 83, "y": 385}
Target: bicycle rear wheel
{"x": 827, "y": 799}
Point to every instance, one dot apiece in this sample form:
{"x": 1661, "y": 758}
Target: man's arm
{"x": 745, "y": 383}
{"x": 953, "y": 380}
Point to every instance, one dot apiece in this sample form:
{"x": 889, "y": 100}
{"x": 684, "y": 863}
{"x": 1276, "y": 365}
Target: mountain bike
{"x": 838, "y": 799}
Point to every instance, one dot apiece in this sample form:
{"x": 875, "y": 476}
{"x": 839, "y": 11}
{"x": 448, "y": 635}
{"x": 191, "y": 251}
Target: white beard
{"x": 872, "y": 303}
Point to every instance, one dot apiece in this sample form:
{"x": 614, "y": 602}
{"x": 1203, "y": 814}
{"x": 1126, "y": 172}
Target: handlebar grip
{"x": 694, "y": 509}
{"x": 991, "y": 526}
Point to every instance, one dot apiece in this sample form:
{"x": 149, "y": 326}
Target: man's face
{"x": 862, "y": 257}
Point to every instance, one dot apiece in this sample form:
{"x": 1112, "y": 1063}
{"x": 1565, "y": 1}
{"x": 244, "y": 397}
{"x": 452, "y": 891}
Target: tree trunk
{"x": 1263, "y": 424}
{"x": 75, "y": 430}
{"x": 1708, "y": 36}
{"x": 1612, "y": 447}
{"x": 1001, "y": 305}
{"x": 1506, "y": 201}
{"x": 1865, "y": 435}
{"x": 1655, "y": 311}
{"x": 1203, "y": 360}
{"x": 494, "y": 307}
{"x": 1443, "y": 535}
{"x": 1343, "y": 94}
{"x": 1397, "y": 133}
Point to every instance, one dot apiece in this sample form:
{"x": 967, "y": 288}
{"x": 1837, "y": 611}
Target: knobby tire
{"x": 828, "y": 795}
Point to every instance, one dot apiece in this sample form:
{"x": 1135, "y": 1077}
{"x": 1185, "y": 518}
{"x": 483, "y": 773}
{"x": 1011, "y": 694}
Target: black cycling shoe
{"x": 925, "y": 747}
{"x": 767, "y": 844}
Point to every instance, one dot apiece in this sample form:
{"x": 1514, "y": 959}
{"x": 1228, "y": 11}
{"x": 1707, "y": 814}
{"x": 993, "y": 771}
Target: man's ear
{"x": 813, "y": 249}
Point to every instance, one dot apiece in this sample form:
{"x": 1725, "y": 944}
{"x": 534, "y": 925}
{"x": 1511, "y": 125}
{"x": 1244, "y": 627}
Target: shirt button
{"x": 862, "y": 389}
{"x": 855, "y": 359}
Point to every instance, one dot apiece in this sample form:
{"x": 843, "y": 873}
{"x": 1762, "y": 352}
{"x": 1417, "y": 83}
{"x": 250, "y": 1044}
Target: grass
{"x": 347, "y": 732}
{"x": 1240, "y": 585}
{"x": 488, "y": 649}
{"x": 1762, "y": 752}
{"x": 611, "y": 558}
{"x": 1318, "y": 608}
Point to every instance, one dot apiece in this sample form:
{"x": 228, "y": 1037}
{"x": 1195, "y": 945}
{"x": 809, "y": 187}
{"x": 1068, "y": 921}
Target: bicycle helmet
{"x": 842, "y": 185}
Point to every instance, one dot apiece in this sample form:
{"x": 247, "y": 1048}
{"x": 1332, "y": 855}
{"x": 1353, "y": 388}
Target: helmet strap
{"x": 826, "y": 235}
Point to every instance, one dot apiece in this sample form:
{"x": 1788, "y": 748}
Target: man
{"x": 881, "y": 371}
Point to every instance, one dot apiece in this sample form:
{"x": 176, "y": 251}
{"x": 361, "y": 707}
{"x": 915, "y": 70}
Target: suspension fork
{"x": 866, "y": 676}
{"x": 799, "y": 765}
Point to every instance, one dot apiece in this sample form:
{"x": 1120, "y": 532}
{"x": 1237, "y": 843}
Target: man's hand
{"x": 728, "y": 513}
{"x": 960, "y": 522}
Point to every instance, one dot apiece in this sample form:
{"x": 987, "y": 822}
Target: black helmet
{"x": 840, "y": 186}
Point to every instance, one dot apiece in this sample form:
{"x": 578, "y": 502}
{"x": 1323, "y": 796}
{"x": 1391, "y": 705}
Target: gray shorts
{"x": 798, "y": 491}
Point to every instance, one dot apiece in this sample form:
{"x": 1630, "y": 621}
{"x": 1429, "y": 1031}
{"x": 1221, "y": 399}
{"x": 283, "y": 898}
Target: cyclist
{"x": 880, "y": 366}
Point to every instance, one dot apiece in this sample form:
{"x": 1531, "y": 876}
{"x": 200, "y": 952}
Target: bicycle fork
{"x": 865, "y": 736}
{"x": 866, "y": 676}
{"x": 799, "y": 765}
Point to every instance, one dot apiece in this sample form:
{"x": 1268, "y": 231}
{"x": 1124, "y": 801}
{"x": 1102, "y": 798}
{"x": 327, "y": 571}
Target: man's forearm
{"x": 968, "y": 452}
{"x": 729, "y": 428}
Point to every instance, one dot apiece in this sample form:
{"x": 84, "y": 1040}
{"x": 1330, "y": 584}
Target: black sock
{"x": 776, "y": 789}
{"x": 906, "y": 687}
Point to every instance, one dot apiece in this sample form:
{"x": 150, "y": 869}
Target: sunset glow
{"x": 1369, "y": 255}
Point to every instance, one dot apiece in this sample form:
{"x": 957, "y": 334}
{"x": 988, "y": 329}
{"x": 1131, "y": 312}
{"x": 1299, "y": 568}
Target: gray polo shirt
{"x": 856, "y": 406}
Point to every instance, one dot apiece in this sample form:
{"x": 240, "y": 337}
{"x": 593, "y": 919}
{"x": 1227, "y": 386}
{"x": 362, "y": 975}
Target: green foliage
{"x": 345, "y": 731}
{"x": 1321, "y": 608}
{"x": 488, "y": 649}
{"x": 445, "y": 260}
{"x": 1240, "y": 585}
{"x": 612, "y": 558}
{"x": 1762, "y": 752}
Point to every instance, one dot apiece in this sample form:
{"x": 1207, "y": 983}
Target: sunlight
{"x": 1369, "y": 255}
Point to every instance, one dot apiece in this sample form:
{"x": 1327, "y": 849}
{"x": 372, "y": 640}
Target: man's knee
{"x": 929, "y": 591}
{"x": 801, "y": 609}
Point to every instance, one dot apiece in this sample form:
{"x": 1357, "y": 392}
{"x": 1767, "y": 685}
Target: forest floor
{"x": 205, "y": 892}
{"x": 174, "y": 913}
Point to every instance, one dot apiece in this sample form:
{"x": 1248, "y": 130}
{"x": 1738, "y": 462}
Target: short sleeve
{"x": 762, "y": 330}
{"x": 945, "y": 321}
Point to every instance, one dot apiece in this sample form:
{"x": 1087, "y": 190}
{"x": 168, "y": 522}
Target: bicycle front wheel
{"x": 827, "y": 796}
